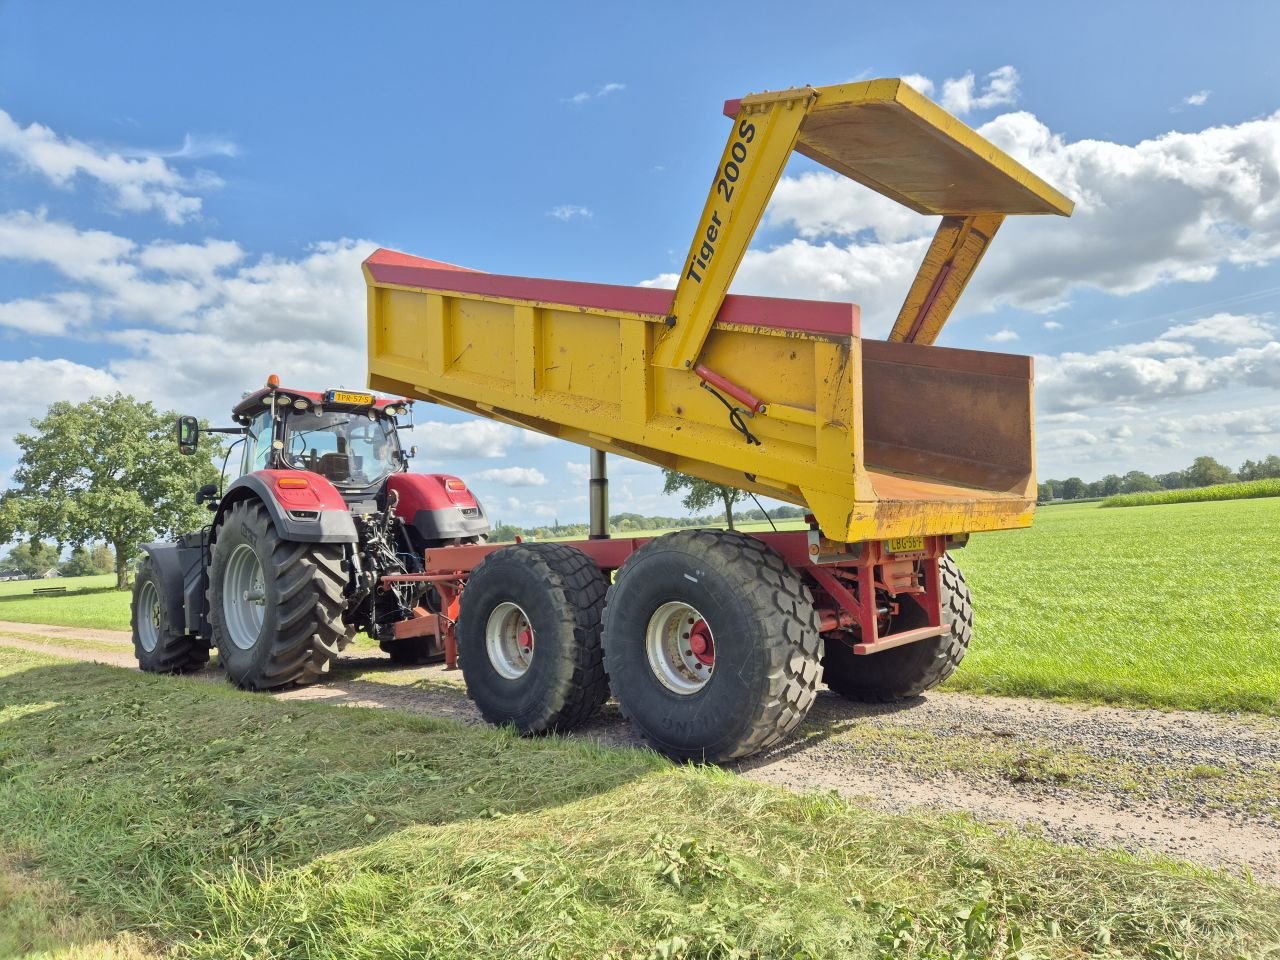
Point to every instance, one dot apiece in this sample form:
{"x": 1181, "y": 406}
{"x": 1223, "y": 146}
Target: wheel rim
{"x": 680, "y": 648}
{"x": 508, "y": 640}
{"x": 243, "y": 597}
{"x": 149, "y": 616}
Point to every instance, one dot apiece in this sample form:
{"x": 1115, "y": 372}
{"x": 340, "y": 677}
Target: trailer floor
{"x": 1196, "y": 786}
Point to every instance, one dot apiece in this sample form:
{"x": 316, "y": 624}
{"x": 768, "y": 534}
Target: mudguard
{"x": 438, "y": 506}
{"x": 180, "y": 570}
{"x": 312, "y": 512}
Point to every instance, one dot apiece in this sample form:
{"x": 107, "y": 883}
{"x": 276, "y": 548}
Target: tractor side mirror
{"x": 413, "y": 452}
{"x": 188, "y": 435}
{"x": 208, "y": 494}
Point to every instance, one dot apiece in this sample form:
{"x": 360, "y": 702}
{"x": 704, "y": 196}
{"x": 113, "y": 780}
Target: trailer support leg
{"x": 599, "y": 499}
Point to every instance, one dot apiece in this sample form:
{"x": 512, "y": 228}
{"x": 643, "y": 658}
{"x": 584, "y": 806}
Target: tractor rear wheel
{"x": 160, "y": 646}
{"x": 910, "y": 670}
{"x": 529, "y": 637}
{"x": 712, "y": 645}
{"x": 275, "y": 606}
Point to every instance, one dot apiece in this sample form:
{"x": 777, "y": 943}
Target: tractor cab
{"x": 348, "y": 438}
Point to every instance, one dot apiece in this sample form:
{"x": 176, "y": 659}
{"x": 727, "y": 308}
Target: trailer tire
{"x": 750, "y": 670}
{"x": 556, "y": 679}
{"x": 159, "y": 647}
{"x": 297, "y": 629}
{"x": 910, "y": 670}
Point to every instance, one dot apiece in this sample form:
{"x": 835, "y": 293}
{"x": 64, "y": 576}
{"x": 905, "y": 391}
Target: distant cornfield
{"x": 1221, "y": 491}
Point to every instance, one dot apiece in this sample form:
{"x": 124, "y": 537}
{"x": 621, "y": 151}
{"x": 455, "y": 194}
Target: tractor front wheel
{"x": 158, "y": 644}
{"x": 275, "y": 606}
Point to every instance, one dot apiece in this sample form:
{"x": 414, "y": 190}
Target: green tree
{"x": 702, "y": 494}
{"x": 1072, "y": 488}
{"x": 107, "y": 469}
{"x": 104, "y": 560}
{"x": 1206, "y": 471}
{"x": 1175, "y": 480}
{"x": 79, "y": 564}
{"x": 33, "y": 559}
{"x": 1135, "y": 481}
{"x": 1262, "y": 470}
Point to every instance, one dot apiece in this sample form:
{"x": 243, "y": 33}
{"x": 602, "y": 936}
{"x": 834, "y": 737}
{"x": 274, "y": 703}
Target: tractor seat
{"x": 334, "y": 466}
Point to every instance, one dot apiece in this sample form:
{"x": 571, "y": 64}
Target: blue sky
{"x": 186, "y": 192}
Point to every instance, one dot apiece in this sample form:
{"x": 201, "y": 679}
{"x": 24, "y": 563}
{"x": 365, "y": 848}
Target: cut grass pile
{"x": 1221, "y": 491}
{"x": 193, "y": 819}
{"x": 89, "y": 602}
{"x": 1174, "y": 608}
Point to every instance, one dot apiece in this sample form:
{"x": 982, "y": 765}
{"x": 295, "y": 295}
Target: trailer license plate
{"x": 906, "y": 545}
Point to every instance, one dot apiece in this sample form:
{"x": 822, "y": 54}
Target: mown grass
{"x": 1221, "y": 491}
{"x": 187, "y": 819}
{"x": 89, "y": 602}
{"x": 1168, "y": 608}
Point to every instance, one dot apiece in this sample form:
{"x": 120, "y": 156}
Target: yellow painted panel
{"x": 581, "y": 355}
{"x": 481, "y": 339}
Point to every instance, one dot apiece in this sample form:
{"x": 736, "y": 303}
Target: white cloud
{"x": 567, "y": 211}
{"x": 1145, "y": 372}
{"x": 53, "y": 315}
{"x": 137, "y": 181}
{"x": 961, "y": 95}
{"x": 476, "y": 439}
{"x": 1003, "y": 336}
{"x": 514, "y": 476}
{"x": 820, "y": 204}
{"x": 1226, "y": 328}
{"x": 578, "y": 99}
{"x": 1052, "y": 325}
{"x": 1197, "y": 99}
{"x": 1259, "y": 421}
{"x": 921, "y": 83}
{"x": 32, "y": 384}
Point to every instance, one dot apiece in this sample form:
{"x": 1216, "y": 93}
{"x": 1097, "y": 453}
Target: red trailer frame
{"x": 845, "y": 579}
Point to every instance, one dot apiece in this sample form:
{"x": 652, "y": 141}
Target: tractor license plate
{"x": 354, "y": 399}
{"x": 906, "y": 545}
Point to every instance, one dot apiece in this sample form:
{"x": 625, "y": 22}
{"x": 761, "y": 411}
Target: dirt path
{"x": 1201, "y": 787}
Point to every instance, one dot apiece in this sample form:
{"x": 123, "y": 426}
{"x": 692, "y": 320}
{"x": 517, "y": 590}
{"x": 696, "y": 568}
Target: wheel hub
{"x": 508, "y": 640}
{"x": 149, "y": 616}
{"x": 244, "y": 597}
{"x": 680, "y": 648}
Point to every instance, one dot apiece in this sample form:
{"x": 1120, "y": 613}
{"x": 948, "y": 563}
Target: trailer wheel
{"x": 158, "y": 645}
{"x": 529, "y": 637}
{"x": 911, "y": 670}
{"x": 275, "y": 606}
{"x": 712, "y": 645}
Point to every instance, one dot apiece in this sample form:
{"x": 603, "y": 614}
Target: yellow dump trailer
{"x": 897, "y": 448}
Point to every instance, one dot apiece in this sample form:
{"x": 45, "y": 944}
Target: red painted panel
{"x": 318, "y": 494}
{"x": 427, "y": 491}
{"x": 813, "y": 316}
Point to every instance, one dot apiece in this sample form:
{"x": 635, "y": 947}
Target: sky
{"x": 187, "y": 191}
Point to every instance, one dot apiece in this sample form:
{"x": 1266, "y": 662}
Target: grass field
{"x": 1221, "y": 491}
{"x": 1171, "y": 606}
{"x": 89, "y": 602}
{"x": 151, "y": 816}
{"x": 1174, "y": 606}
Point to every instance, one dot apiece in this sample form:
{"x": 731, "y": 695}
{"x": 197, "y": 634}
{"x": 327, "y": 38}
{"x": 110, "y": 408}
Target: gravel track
{"x": 1167, "y": 816}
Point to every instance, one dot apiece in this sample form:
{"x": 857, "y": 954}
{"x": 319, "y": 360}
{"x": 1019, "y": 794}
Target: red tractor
{"x": 293, "y": 564}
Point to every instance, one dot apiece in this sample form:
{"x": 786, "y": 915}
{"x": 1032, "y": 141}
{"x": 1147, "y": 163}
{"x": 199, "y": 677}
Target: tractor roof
{"x": 251, "y": 403}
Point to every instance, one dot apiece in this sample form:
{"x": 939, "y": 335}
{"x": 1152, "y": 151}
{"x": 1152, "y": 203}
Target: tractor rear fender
{"x": 181, "y": 575}
{"x": 304, "y": 507}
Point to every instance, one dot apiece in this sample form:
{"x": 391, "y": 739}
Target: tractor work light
{"x": 300, "y": 404}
